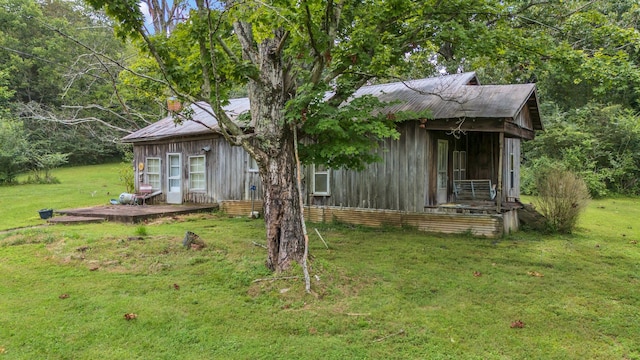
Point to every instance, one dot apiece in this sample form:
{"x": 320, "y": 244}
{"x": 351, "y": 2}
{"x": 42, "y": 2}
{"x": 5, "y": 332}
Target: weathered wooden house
{"x": 456, "y": 171}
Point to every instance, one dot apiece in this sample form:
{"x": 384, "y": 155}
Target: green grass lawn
{"x": 377, "y": 293}
{"x": 79, "y": 186}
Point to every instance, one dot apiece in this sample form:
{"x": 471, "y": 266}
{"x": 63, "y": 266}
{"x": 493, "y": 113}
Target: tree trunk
{"x": 274, "y": 151}
{"x": 285, "y": 240}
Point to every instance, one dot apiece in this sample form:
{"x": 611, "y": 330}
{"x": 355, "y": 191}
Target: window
{"x": 443, "y": 146}
{"x": 252, "y": 165}
{"x": 321, "y": 180}
{"x": 197, "y": 176}
{"x": 512, "y": 170}
{"x": 153, "y": 173}
{"x": 459, "y": 165}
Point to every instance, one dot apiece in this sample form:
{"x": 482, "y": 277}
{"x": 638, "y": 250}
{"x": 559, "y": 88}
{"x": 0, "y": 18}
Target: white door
{"x": 443, "y": 171}
{"x": 174, "y": 179}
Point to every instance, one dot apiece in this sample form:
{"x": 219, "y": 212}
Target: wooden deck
{"x": 125, "y": 213}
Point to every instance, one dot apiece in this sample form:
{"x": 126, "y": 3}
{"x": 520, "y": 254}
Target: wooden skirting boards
{"x": 489, "y": 225}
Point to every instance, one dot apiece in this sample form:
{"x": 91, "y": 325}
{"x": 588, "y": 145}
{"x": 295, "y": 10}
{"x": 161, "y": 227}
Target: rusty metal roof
{"x": 446, "y": 97}
{"x": 201, "y": 121}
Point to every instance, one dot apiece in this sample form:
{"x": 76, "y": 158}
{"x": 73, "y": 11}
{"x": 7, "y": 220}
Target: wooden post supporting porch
{"x": 500, "y": 165}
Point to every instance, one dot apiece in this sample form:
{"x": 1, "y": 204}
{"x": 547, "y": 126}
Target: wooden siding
{"x": 398, "y": 182}
{"x": 227, "y": 175}
{"x": 489, "y": 225}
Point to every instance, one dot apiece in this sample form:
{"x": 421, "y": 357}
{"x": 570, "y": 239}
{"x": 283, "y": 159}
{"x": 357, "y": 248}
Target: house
{"x": 458, "y": 170}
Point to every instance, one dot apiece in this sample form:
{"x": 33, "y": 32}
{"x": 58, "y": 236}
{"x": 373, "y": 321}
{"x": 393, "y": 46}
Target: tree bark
{"x": 285, "y": 240}
{"x": 274, "y": 150}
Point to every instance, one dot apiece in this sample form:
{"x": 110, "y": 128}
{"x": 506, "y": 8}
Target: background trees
{"x": 584, "y": 56}
{"x": 62, "y": 63}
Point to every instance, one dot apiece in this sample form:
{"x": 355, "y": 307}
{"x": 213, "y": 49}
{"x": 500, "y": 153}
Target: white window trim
{"x": 313, "y": 179}
{"x": 204, "y": 172}
{"x": 147, "y": 173}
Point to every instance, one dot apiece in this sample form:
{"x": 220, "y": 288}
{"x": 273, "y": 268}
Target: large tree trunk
{"x": 285, "y": 238}
{"x": 274, "y": 150}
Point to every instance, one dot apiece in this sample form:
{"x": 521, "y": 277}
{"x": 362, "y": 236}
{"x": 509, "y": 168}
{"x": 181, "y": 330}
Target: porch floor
{"x": 475, "y": 207}
{"x": 126, "y": 213}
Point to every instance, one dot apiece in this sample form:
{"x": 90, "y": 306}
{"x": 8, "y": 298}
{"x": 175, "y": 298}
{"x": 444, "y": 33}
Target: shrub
{"x": 562, "y": 196}
{"x": 126, "y": 173}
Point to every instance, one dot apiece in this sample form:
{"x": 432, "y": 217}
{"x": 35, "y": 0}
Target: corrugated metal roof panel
{"x": 202, "y": 121}
{"x": 446, "y": 97}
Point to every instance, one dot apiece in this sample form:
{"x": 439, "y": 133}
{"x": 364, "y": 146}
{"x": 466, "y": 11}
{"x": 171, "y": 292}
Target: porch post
{"x": 500, "y": 164}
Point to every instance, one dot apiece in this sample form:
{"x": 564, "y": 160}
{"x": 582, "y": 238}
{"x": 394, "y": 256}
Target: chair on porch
{"x": 144, "y": 192}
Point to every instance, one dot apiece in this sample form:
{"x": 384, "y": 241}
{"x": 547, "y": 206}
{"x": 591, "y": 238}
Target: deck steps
{"x": 71, "y": 219}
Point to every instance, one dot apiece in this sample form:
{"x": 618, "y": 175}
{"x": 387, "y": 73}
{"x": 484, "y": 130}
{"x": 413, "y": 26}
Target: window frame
{"x": 327, "y": 173}
{"x": 202, "y": 172}
{"x": 154, "y": 185}
{"x": 442, "y": 166}
{"x": 512, "y": 169}
{"x": 459, "y": 165}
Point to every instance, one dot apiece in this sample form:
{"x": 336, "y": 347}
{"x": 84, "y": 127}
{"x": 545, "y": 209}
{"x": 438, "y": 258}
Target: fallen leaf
{"x": 130, "y": 316}
{"x": 2, "y": 350}
{"x": 518, "y": 324}
{"x": 535, "y": 273}
{"x": 477, "y": 273}
{"x": 64, "y": 296}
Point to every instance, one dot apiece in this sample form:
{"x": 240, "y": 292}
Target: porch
{"x": 131, "y": 214}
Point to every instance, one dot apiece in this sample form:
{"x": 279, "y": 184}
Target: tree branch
{"x": 245, "y": 36}
{"x": 227, "y": 50}
{"x": 43, "y": 115}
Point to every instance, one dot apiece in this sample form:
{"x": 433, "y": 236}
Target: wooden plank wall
{"x": 489, "y": 225}
{"x": 226, "y": 168}
{"x": 398, "y": 182}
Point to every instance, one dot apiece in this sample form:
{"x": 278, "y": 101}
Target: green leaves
{"x": 13, "y": 150}
{"x": 600, "y": 143}
{"x": 128, "y": 13}
{"x": 342, "y": 136}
